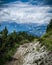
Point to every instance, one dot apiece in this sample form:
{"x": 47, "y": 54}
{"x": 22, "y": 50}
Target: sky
{"x": 26, "y": 11}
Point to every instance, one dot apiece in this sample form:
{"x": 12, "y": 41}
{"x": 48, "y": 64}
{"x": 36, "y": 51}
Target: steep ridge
{"x": 47, "y": 38}
{"x": 31, "y": 54}
{"x": 35, "y": 53}
{"x": 49, "y": 27}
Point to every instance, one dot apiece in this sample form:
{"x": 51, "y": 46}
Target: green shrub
{"x": 10, "y": 42}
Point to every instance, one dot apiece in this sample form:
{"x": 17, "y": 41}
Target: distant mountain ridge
{"x": 32, "y": 28}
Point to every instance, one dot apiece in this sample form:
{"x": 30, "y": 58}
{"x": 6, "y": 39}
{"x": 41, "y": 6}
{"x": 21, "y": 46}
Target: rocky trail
{"x": 31, "y": 54}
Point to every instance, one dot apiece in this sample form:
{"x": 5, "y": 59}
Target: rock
{"x": 28, "y": 55}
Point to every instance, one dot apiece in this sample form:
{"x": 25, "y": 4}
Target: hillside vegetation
{"x": 47, "y": 38}
{"x": 9, "y": 43}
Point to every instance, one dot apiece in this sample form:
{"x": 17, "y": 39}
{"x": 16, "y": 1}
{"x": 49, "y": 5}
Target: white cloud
{"x": 25, "y": 13}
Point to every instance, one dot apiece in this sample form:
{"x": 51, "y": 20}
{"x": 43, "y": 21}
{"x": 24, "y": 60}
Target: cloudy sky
{"x": 26, "y": 11}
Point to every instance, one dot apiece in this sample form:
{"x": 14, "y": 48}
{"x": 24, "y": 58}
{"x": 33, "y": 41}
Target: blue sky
{"x": 26, "y": 11}
{"x": 46, "y": 2}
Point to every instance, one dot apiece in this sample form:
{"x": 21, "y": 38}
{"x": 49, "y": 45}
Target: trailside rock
{"x": 32, "y": 54}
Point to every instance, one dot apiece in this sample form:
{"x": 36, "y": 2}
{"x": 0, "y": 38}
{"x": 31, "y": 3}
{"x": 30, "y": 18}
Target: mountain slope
{"x": 33, "y": 28}
{"x": 27, "y": 54}
{"x": 49, "y": 27}
{"x": 47, "y": 38}
{"x": 34, "y": 53}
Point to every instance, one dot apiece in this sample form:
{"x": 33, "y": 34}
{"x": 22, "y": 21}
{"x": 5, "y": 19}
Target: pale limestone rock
{"x": 28, "y": 55}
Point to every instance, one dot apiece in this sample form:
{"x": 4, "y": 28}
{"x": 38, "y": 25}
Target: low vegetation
{"x": 47, "y": 38}
{"x": 9, "y": 43}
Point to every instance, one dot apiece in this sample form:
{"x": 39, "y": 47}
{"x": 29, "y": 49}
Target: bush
{"x": 9, "y": 43}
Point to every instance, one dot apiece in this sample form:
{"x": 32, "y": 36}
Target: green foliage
{"x": 47, "y": 38}
{"x": 9, "y": 43}
{"x": 4, "y": 33}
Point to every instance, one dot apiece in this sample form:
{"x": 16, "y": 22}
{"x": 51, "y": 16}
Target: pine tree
{"x": 4, "y": 33}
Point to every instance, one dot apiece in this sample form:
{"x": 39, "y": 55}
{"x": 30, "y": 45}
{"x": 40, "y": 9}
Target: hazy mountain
{"x": 33, "y": 28}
